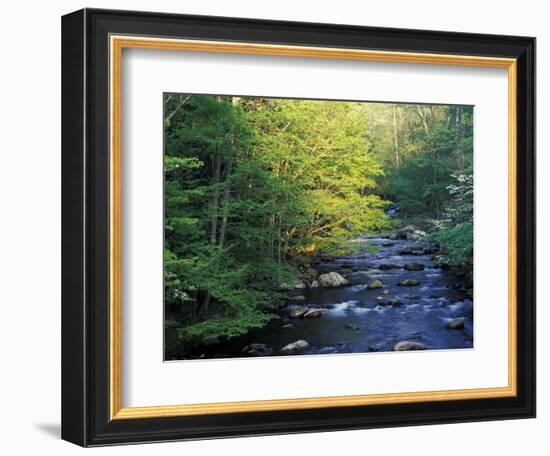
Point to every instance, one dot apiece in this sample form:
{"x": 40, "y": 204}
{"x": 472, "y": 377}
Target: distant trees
{"x": 427, "y": 155}
{"x": 421, "y": 147}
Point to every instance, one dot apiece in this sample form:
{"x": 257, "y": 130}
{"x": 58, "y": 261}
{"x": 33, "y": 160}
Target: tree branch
{"x": 178, "y": 107}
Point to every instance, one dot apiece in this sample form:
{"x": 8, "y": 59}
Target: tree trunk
{"x": 215, "y": 198}
{"x": 178, "y": 107}
{"x": 206, "y": 302}
{"x": 279, "y": 242}
{"x": 458, "y": 136}
{"x": 395, "y": 142}
{"x": 422, "y": 116}
{"x": 225, "y": 202}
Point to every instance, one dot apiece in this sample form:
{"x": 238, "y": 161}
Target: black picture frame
{"x": 85, "y": 223}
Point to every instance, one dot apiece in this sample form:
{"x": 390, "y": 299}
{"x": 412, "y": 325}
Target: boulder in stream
{"x": 455, "y": 323}
{"x": 387, "y": 266}
{"x": 332, "y": 280}
{"x": 295, "y": 346}
{"x": 314, "y": 313}
{"x": 298, "y": 312}
{"x": 409, "y": 283}
{"x": 406, "y": 345}
{"x": 418, "y": 252}
{"x": 314, "y": 284}
{"x": 256, "y": 349}
{"x": 414, "y": 267}
{"x": 375, "y": 284}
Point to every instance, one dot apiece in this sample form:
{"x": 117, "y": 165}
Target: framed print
{"x": 276, "y": 227}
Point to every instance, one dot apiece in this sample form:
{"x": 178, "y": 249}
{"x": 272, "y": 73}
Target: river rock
{"x": 409, "y": 283}
{"x": 325, "y": 257}
{"x": 394, "y": 302}
{"x": 455, "y": 323}
{"x": 407, "y": 229}
{"x": 418, "y": 252}
{"x": 406, "y": 345}
{"x": 298, "y": 298}
{"x": 388, "y": 244}
{"x": 404, "y": 233}
{"x": 332, "y": 280}
{"x": 295, "y": 346}
{"x": 375, "y": 285}
{"x": 405, "y": 251}
{"x": 300, "y": 286}
{"x": 256, "y": 349}
{"x": 285, "y": 287}
{"x": 288, "y": 326}
{"x": 387, "y": 266}
{"x": 413, "y": 267}
{"x": 314, "y": 313}
{"x": 298, "y": 312}
{"x": 314, "y": 284}
{"x": 417, "y": 234}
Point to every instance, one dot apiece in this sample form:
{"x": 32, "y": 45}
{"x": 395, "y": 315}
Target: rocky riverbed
{"x": 391, "y": 296}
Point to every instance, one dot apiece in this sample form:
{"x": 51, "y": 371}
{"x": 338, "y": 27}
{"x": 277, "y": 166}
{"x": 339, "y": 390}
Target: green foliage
{"x": 249, "y": 183}
{"x": 252, "y": 184}
{"x": 421, "y": 148}
{"x": 458, "y": 243}
{"x": 455, "y": 231}
{"x": 427, "y": 154}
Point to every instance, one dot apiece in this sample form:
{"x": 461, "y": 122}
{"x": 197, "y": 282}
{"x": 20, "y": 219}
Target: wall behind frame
{"x": 30, "y": 229}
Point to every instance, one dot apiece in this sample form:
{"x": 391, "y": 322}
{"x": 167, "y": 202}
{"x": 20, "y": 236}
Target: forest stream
{"x": 421, "y": 304}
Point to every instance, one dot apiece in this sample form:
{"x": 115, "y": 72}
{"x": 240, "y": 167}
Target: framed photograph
{"x": 278, "y": 227}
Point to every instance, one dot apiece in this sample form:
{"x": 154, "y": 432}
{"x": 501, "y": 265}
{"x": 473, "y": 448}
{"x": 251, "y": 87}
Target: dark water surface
{"x": 355, "y": 322}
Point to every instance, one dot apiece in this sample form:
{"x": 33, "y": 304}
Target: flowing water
{"x": 359, "y": 319}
